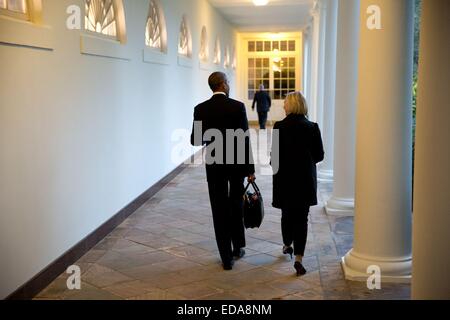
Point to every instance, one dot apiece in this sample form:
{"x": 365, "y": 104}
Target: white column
{"x": 309, "y": 31}
{"x": 318, "y": 58}
{"x": 329, "y": 92}
{"x": 309, "y": 63}
{"x": 384, "y": 145}
{"x": 306, "y": 35}
{"x": 342, "y": 201}
{"x": 431, "y": 235}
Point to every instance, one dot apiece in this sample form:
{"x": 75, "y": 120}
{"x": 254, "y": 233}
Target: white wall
{"x": 82, "y": 136}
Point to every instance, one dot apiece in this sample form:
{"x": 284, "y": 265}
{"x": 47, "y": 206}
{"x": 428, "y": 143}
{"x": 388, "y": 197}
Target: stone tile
{"x": 90, "y": 292}
{"x": 92, "y": 256}
{"x": 291, "y": 284}
{"x": 225, "y": 296}
{"x": 261, "y": 259}
{"x": 260, "y": 292}
{"x": 313, "y": 294}
{"x": 194, "y": 291}
{"x": 158, "y": 294}
{"x": 168, "y": 280}
{"x": 128, "y": 290}
{"x": 101, "y": 276}
{"x": 187, "y": 251}
{"x": 55, "y": 290}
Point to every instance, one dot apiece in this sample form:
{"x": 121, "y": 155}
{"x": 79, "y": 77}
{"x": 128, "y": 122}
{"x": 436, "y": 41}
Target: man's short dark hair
{"x": 216, "y": 80}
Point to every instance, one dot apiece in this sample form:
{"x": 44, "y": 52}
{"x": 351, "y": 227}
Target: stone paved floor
{"x": 166, "y": 250}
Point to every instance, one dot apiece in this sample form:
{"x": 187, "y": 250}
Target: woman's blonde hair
{"x": 296, "y": 104}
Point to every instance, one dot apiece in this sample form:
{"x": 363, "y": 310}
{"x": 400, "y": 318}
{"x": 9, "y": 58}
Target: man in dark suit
{"x": 263, "y": 104}
{"x": 225, "y": 169}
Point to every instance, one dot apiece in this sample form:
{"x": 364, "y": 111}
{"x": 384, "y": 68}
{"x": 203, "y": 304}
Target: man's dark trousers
{"x": 262, "y": 116}
{"x": 226, "y": 195}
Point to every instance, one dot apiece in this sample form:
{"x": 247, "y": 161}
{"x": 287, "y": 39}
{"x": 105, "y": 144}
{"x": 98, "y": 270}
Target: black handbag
{"x": 253, "y": 207}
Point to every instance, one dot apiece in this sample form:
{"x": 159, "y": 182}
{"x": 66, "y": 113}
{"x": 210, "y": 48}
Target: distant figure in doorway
{"x": 263, "y": 105}
{"x": 295, "y": 183}
{"x": 225, "y": 180}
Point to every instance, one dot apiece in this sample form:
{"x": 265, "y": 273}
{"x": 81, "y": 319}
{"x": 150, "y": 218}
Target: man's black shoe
{"x": 228, "y": 266}
{"x": 238, "y": 254}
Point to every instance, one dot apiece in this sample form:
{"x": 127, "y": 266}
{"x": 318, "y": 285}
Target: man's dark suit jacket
{"x": 300, "y": 149}
{"x": 222, "y": 113}
{"x": 262, "y": 101}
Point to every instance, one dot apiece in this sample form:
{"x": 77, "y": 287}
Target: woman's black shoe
{"x": 288, "y": 250}
{"x": 301, "y": 271}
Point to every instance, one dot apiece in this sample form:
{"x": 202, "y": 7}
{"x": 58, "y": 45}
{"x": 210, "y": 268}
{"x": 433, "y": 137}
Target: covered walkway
{"x": 166, "y": 250}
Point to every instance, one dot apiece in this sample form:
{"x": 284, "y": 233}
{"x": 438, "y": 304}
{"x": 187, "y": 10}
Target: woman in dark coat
{"x": 299, "y": 149}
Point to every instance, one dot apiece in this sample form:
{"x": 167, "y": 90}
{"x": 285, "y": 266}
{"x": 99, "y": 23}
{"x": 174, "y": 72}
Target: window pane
{"x": 292, "y": 84}
{"x": 3, "y": 4}
{"x": 284, "y": 73}
{"x": 284, "y": 62}
{"x": 267, "y": 46}
{"x": 276, "y": 45}
{"x": 251, "y": 73}
{"x": 266, "y": 84}
{"x": 283, "y": 45}
{"x": 251, "y": 46}
{"x": 284, "y": 84}
{"x": 266, "y": 63}
{"x": 292, "y": 62}
{"x": 258, "y": 73}
{"x": 266, "y": 73}
{"x": 251, "y": 94}
{"x": 277, "y": 95}
{"x": 251, "y": 84}
{"x": 277, "y": 84}
{"x": 292, "y": 45}
{"x": 292, "y": 73}
{"x": 251, "y": 63}
{"x": 155, "y": 28}
{"x": 259, "y": 46}
{"x": 277, "y": 74}
{"x": 17, "y": 6}
{"x": 284, "y": 93}
{"x": 100, "y": 17}
{"x": 259, "y": 63}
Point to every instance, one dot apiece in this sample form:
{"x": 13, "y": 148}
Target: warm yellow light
{"x": 260, "y": 2}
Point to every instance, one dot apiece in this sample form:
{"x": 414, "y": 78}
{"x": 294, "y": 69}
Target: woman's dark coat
{"x": 300, "y": 149}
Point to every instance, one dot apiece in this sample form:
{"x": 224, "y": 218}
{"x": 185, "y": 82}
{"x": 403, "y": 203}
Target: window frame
{"x": 101, "y": 45}
{"x": 272, "y": 56}
{"x": 17, "y": 15}
{"x": 31, "y": 33}
{"x": 156, "y": 5}
{"x": 185, "y": 31}
{"x": 217, "y": 60}
{"x": 204, "y": 46}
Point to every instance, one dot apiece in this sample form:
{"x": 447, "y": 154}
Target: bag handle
{"x": 254, "y": 185}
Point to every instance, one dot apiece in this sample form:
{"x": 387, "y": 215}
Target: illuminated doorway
{"x": 272, "y": 60}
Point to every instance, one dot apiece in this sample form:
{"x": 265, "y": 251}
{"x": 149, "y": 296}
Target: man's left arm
{"x": 197, "y": 132}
